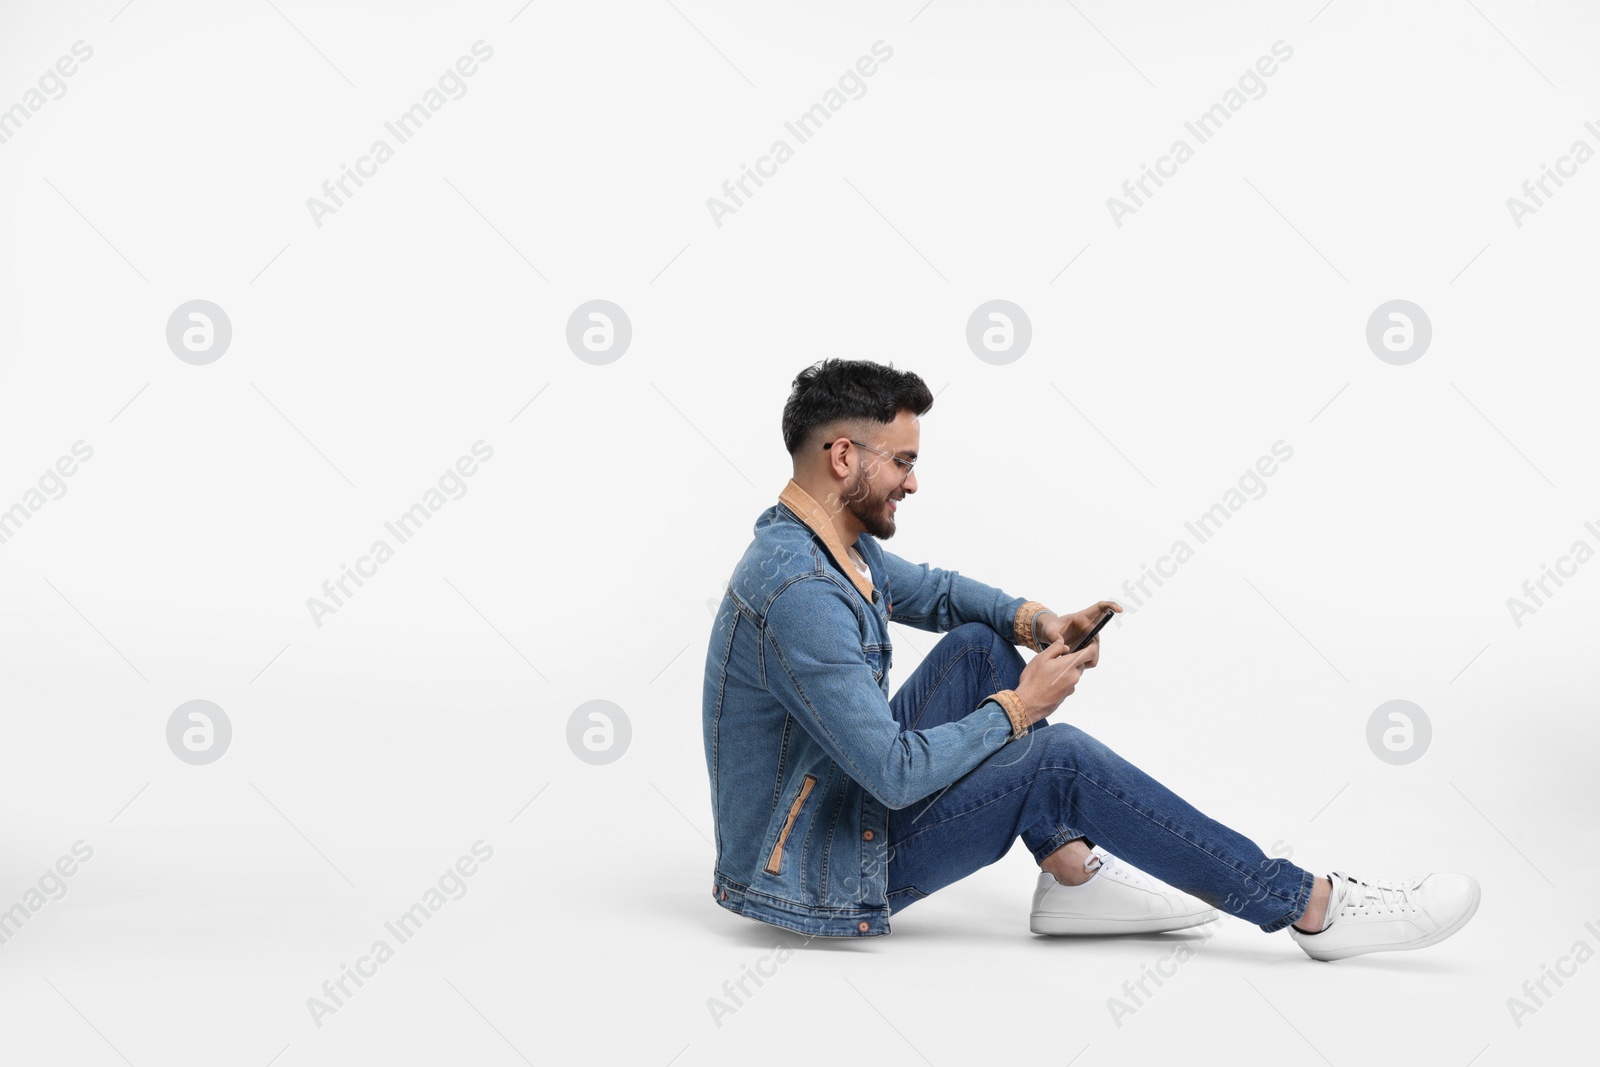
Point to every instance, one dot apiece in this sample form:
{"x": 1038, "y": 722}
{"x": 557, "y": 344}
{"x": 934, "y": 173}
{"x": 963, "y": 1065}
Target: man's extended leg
{"x": 1060, "y": 785}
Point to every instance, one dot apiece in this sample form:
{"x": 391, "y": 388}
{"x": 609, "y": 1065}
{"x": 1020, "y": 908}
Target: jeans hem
{"x": 1060, "y": 838}
{"x": 1302, "y": 901}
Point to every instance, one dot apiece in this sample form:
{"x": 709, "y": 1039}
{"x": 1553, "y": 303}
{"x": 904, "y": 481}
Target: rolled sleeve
{"x": 1025, "y": 624}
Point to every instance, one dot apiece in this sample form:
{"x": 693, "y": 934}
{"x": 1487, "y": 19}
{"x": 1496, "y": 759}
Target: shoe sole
{"x": 1421, "y": 942}
{"x": 1059, "y": 925}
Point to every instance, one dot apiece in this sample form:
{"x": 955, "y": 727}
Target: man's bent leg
{"x": 968, "y": 663}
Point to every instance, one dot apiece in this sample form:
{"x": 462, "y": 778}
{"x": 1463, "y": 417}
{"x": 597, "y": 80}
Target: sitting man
{"x": 836, "y": 806}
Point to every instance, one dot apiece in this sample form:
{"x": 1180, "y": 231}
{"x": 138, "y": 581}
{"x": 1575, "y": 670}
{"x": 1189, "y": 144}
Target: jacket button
{"x": 724, "y": 894}
{"x": 862, "y": 926}
{"x": 866, "y": 835}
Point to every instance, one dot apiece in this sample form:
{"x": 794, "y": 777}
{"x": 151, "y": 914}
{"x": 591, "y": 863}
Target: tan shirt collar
{"x": 816, "y": 516}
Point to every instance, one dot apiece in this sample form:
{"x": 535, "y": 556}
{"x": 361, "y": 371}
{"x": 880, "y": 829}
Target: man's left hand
{"x": 1054, "y": 627}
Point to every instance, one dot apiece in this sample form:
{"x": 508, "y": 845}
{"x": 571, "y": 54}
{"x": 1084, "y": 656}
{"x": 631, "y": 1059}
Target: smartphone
{"x": 1101, "y": 625}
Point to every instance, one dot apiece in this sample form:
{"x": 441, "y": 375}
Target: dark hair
{"x": 837, "y": 389}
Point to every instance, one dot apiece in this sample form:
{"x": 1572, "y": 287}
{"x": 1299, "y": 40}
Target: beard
{"x": 872, "y": 509}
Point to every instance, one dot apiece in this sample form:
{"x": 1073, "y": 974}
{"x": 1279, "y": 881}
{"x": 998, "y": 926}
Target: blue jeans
{"x": 1057, "y": 784}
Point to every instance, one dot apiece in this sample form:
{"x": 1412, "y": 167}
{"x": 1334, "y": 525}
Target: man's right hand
{"x": 1052, "y": 675}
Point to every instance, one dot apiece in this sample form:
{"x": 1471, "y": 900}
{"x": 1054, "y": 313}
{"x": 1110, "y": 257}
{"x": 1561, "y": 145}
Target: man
{"x": 836, "y": 806}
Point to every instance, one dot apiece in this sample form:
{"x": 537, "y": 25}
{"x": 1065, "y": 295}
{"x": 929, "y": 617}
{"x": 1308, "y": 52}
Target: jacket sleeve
{"x": 928, "y": 598}
{"x": 816, "y": 669}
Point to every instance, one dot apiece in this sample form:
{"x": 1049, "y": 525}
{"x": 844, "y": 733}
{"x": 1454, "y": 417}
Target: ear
{"x": 835, "y": 455}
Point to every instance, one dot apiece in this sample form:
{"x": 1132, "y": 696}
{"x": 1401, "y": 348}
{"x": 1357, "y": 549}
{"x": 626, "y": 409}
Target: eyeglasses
{"x": 905, "y": 465}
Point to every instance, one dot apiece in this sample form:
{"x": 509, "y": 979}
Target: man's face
{"x": 878, "y": 483}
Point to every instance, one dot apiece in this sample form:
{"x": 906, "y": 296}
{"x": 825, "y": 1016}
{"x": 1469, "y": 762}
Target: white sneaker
{"x": 1383, "y": 915}
{"x": 1118, "y": 899}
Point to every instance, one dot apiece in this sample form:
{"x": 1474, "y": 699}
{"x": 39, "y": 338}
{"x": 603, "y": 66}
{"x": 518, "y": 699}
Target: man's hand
{"x": 1052, "y": 675}
{"x": 1071, "y": 628}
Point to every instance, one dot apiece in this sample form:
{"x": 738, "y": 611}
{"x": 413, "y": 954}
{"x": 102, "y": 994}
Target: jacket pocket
{"x": 877, "y": 657}
{"x": 776, "y": 859}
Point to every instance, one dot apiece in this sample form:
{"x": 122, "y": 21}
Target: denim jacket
{"x": 805, "y": 757}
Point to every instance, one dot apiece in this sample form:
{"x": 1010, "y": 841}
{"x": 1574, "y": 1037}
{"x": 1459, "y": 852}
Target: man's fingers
{"x": 1092, "y": 613}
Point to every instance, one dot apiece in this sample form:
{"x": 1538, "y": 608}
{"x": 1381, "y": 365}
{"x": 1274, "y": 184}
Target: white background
{"x": 370, "y": 752}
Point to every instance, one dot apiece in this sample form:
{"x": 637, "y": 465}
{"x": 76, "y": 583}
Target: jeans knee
{"x": 1007, "y": 660}
{"x": 1064, "y": 745}
{"x": 978, "y": 634}
{"x": 1003, "y": 654}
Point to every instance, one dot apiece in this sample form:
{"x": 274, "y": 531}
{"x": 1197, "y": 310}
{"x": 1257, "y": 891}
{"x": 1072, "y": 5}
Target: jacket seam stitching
{"x": 806, "y": 700}
{"x": 716, "y": 726}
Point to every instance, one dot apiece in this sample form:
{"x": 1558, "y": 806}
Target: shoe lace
{"x": 1380, "y": 895}
{"x": 1109, "y": 866}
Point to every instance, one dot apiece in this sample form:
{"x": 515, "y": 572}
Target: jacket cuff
{"x": 1012, "y": 703}
{"x": 1022, "y": 626}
